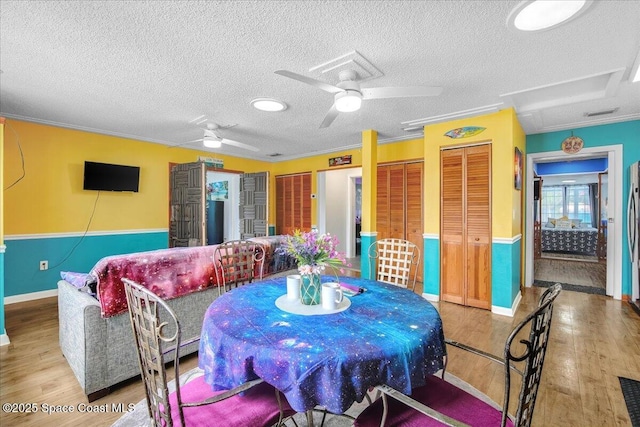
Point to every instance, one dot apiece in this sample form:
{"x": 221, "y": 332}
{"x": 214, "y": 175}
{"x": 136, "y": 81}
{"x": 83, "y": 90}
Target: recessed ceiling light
{"x": 268, "y": 104}
{"x": 569, "y": 181}
{"x": 538, "y": 15}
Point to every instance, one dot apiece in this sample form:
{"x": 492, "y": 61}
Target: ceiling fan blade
{"x": 330, "y": 117}
{"x": 239, "y": 144}
{"x": 399, "y": 92}
{"x": 308, "y": 80}
{"x": 182, "y": 144}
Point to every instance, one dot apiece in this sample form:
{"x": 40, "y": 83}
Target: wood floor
{"x": 574, "y": 272}
{"x": 594, "y": 340}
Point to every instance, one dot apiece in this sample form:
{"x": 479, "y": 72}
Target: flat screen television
{"x": 108, "y": 177}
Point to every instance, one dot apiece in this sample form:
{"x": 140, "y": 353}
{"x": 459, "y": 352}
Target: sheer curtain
{"x": 573, "y": 201}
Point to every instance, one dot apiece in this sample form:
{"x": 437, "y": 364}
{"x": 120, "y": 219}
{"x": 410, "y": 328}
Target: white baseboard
{"x": 508, "y": 311}
{"x": 30, "y": 296}
{"x": 4, "y": 339}
{"x": 431, "y": 297}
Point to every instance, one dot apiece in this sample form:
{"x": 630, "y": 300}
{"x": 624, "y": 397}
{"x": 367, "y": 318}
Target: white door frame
{"x": 615, "y": 211}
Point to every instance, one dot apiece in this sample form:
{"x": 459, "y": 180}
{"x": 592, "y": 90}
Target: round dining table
{"x": 387, "y": 335}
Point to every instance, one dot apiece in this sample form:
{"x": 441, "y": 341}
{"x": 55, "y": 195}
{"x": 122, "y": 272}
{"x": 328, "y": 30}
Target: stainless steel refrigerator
{"x": 633, "y": 230}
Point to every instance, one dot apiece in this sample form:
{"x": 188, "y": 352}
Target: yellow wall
{"x": 501, "y": 131}
{"x": 50, "y": 198}
{"x": 391, "y": 152}
{"x": 520, "y": 141}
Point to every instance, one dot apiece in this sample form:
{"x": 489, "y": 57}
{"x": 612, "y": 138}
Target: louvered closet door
{"x": 466, "y": 226}
{"x": 478, "y": 226}
{"x": 414, "y": 215}
{"x": 293, "y": 203}
{"x": 452, "y": 226}
{"x": 397, "y": 186}
{"x": 382, "y": 204}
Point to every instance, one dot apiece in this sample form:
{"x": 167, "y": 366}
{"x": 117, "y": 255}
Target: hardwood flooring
{"x": 594, "y": 339}
{"x": 574, "y": 272}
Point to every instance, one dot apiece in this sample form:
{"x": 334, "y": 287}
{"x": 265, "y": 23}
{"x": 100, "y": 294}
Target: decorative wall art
{"x": 218, "y": 190}
{"x": 464, "y": 132}
{"x": 517, "y": 167}
{"x": 339, "y": 161}
{"x": 572, "y": 144}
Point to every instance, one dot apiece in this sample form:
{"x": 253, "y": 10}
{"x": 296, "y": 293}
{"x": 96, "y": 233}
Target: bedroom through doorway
{"x": 570, "y": 224}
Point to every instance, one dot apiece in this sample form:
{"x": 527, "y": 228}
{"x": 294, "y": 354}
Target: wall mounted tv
{"x": 108, "y": 177}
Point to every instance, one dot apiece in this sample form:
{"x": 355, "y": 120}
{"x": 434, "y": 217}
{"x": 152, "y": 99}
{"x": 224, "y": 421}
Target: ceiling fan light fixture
{"x": 211, "y": 142}
{"x": 348, "y": 101}
{"x": 539, "y": 15}
{"x": 268, "y": 104}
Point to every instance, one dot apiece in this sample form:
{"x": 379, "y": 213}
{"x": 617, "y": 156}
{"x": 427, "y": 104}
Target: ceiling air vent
{"x": 600, "y": 113}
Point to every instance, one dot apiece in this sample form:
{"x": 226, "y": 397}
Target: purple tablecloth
{"x": 389, "y": 335}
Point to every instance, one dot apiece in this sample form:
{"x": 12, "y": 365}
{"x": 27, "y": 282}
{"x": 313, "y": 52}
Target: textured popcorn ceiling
{"x": 145, "y": 69}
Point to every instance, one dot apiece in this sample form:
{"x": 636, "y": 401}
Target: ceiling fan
{"x": 212, "y": 139}
{"x": 348, "y": 94}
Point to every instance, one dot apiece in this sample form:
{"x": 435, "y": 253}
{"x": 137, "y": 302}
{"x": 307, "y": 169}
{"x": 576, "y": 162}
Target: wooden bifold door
{"x": 399, "y": 204}
{"x": 465, "y": 225}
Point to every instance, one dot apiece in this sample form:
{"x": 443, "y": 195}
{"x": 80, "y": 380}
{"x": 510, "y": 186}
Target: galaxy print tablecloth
{"x": 389, "y": 335}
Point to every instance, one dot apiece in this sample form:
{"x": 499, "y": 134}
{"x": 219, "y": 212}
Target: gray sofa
{"x": 101, "y": 351}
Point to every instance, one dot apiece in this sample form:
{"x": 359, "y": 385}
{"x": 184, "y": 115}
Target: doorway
{"x": 614, "y": 212}
{"x": 571, "y": 224}
{"x": 338, "y": 204}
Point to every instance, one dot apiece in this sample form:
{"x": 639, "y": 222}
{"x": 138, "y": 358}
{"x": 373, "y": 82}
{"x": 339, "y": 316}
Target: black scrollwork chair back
{"x": 450, "y": 401}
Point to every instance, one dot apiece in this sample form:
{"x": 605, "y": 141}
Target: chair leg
{"x": 385, "y": 409}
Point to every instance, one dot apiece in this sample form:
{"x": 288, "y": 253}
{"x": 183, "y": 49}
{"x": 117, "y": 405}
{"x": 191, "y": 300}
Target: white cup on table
{"x": 293, "y": 287}
{"x": 331, "y": 295}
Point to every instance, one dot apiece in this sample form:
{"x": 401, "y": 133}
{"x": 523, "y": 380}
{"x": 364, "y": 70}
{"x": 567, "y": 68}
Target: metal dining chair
{"x": 238, "y": 262}
{"x": 442, "y": 402}
{"x": 158, "y": 338}
{"x": 395, "y": 261}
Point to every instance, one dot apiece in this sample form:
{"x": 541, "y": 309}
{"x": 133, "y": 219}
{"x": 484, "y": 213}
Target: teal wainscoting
{"x": 2, "y": 329}
{"x": 505, "y": 267}
{"x": 505, "y": 272}
{"x": 366, "y": 239}
{"x": 67, "y": 253}
{"x": 431, "y": 267}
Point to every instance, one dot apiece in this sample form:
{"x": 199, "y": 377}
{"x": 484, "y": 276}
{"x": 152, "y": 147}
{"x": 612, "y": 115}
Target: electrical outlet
{"x": 44, "y": 265}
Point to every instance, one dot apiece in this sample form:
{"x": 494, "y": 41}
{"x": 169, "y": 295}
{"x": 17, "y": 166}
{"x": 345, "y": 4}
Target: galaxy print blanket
{"x": 169, "y": 273}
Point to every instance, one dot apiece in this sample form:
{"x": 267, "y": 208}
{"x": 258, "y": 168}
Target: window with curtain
{"x": 572, "y": 201}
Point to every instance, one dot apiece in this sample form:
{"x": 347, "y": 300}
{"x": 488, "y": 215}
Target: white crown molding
{"x": 491, "y": 108}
